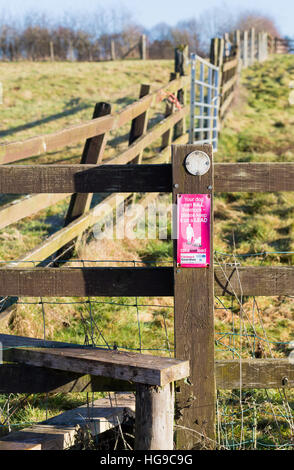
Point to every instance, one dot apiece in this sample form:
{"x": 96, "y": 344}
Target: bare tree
{"x": 88, "y": 37}
{"x": 259, "y": 21}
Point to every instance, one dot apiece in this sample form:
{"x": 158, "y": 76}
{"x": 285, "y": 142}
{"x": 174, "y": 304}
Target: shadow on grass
{"x": 39, "y": 122}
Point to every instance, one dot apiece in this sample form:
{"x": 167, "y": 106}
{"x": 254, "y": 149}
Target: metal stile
{"x": 204, "y": 102}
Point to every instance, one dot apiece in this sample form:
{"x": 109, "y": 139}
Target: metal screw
{"x": 209, "y": 187}
{"x": 176, "y": 185}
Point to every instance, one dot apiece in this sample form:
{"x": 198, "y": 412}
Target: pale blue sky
{"x": 150, "y": 12}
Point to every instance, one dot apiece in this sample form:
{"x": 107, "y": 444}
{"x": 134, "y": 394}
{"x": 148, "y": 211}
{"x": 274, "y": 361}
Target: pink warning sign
{"x": 193, "y": 229}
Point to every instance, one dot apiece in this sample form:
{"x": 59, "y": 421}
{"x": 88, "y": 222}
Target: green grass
{"x": 41, "y": 97}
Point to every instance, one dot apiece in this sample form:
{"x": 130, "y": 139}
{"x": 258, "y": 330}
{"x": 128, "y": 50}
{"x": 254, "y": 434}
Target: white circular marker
{"x": 197, "y": 163}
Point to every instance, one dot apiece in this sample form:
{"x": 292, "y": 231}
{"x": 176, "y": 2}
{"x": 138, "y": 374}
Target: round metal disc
{"x": 197, "y": 163}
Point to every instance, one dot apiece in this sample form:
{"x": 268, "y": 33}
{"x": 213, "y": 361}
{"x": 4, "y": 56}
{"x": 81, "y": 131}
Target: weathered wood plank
{"x": 14, "y": 151}
{"x": 255, "y": 280}
{"x": 138, "y": 368}
{"x": 194, "y": 324}
{"x": 63, "y": 431}
{"x": 230, "y": 65}
{"x": 34, "y": 146}
{"x": 27, "y": 206}
{"x": 92, "y": 281}
{"x": 229, "y": 84}
{"x": 141, "y": 281}
{"x": 19, "y": 179}
{"x": 16, "y": 378}
{"x": 167, "y": 137}
{"x": 8, "y": 341}
{"x": 254, "y": 373}
{"x": 181, "y": 61}
{"x": 225, "y": 104}
{"x": 228, "y": 177}
{"x": 139, "y": 124}
{"x": 68, "y": 233}
{"x": 253, "y": 177}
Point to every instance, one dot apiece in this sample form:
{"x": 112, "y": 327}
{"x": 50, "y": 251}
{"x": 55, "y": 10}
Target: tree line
{"x": 115, "y": 31}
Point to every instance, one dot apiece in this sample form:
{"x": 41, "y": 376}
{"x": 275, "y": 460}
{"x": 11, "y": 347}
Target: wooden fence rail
{"x": 34, "y": 146}
{"x": 15, "y": 378}
{"x": 140, "y": 282}
{"x": 229, "y": 375}
{"x": 228, "y": 177}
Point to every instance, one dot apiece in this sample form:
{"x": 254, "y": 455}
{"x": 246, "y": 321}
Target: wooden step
{"x": 62, "y": 431}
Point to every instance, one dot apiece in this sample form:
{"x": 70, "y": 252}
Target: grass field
{"x": 45, "y": 97}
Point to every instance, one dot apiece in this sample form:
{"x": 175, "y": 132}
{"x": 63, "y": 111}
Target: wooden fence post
{"x": 252, "y": 46}
{"x": 167, "y": 137}
{"x": 51, "y": 45}
{"x": 214, "y": 51}
{"x": 181, "y": 61}
{"x": 138, "y": 128}
{"x": 259, "y": 47}
{"x": 154, "y": 417}
{"x": 227, "y": 44}
{"x": 217, "y": 47}
{"x": 237, "y": 40}
{"x": 181, "y": 58}
{"x": 112, "y": 50}
{"x": 265, "y": 46}
{"x": 220, "y": 63}
{"x": 143, "y": 47}
{"x": 92, "y": 154}
{"x": 139, "y": 124}
{"x": 245, "y": 49}
{"x": 194, "y": 323}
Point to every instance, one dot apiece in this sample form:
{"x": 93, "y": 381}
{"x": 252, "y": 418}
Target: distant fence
{"x": 283, "y": 46}
{"x": 238, "y": 50}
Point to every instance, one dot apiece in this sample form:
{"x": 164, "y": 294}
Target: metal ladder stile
{"x": 204, "y": 98}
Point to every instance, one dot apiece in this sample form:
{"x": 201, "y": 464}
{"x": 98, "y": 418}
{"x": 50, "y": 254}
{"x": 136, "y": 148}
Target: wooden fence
{"x": 154, "y": 410}
{"x": 283, "y": 46}
{"x": 194, "y": 329}
{"x": 54, "y": 366}
{"x": 171, "y": 128}
{"x": 235, "y": 51}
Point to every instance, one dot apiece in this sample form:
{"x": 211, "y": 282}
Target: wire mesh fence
{"x": 246, "y": 418}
